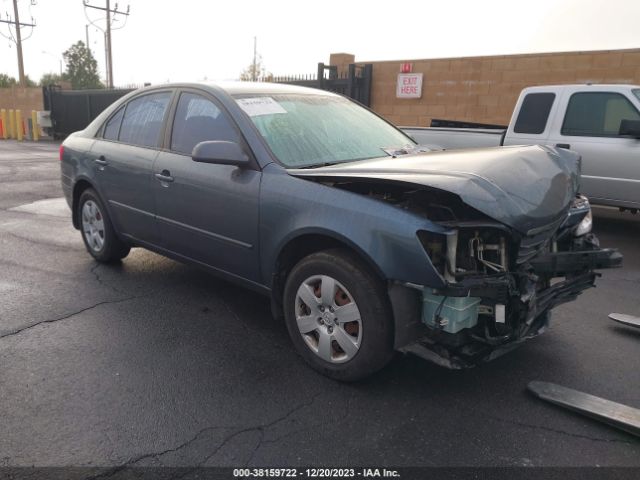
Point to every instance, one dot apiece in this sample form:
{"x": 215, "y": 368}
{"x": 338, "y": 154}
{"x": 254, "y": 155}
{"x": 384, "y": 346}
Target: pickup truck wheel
{"x": 338, "y": 315}
{"x": 98, "y": 234}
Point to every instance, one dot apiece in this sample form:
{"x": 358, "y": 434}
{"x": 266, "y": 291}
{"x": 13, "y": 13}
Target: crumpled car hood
{"x": 524, "y": 187}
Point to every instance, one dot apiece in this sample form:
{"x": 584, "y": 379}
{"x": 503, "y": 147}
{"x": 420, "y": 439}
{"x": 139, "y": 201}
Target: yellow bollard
{"x": 5, "y": 125}
{"x": 12, "y": 123}
{"x": 35, "y": 134}
{"x": 19, "y": 125}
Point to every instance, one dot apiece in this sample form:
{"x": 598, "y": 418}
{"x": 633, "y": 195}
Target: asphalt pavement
{"x": 151, "y": 362}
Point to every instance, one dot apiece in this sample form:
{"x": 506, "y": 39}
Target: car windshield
{"x": 636, "y": 92}
{"x": 312, "y": 130}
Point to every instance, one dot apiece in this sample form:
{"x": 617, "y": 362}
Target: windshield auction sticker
{"x": 260, "y": 106}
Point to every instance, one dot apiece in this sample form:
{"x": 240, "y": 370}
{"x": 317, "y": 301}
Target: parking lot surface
{"x": 151, "y": 362}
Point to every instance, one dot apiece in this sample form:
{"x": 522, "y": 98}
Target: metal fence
{"x": 354, "y": 83}
{"x": 73, "y": 110}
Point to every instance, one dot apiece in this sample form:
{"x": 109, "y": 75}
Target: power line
{"x": 17, "y": 37}
{"x": 109, "y": 20}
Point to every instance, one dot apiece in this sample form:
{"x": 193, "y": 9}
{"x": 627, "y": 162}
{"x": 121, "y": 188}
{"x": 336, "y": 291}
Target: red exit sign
{"x": 406, "y": 67}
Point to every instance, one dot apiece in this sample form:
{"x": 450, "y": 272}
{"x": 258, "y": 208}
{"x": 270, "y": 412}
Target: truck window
{"x": 534, "y": 113}
{"x": 597, "y": 114}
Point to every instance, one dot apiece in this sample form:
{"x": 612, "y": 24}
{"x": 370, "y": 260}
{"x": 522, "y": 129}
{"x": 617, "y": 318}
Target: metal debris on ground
{"x": 625, "y": 319}
{"x": 615, "y": 414}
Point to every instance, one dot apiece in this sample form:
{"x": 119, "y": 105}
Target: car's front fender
{"x": 381, "y": 233}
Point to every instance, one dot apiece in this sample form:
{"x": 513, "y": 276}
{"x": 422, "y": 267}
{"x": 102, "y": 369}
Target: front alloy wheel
{"x": 328, "y": 319}
{"x": 338, "y": 315}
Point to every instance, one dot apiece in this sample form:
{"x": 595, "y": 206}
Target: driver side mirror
{"x": 630, "y": 128}
{"x": 220, "y": 152}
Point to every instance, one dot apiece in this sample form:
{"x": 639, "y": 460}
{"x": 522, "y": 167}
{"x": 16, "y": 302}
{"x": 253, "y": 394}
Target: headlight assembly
{"x": 582, "y": 203}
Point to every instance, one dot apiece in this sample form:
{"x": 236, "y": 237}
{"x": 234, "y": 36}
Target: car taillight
{"x": 61, "y": 151}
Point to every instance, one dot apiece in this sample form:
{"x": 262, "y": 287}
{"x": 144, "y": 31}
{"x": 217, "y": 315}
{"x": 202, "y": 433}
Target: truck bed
{"x": 454, "y": 138}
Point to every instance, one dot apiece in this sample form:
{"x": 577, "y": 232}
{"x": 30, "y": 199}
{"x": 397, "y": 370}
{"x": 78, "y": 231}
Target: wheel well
{"x": 79, "y": 187}
{"x": 296, "y": 250}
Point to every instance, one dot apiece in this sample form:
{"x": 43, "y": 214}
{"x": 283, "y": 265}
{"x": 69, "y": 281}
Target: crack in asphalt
{"x": 347, "y": 412}
{"x": 259, "y": 428}
{"x": 144, "y": 456}
{"x": 70, "y": 315}
{"x": 94, "y": 271}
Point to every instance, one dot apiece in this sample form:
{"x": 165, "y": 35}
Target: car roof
{"x": 243, "y": 88}
{"x": 248, "y": 88}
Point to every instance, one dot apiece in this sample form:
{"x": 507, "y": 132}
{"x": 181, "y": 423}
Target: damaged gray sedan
{"x": 365, "y": 242}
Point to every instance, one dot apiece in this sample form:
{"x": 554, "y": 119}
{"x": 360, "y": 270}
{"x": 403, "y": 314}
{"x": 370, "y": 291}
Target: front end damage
{"x": 510, "y": 239}
{"x": 500, "y": 286}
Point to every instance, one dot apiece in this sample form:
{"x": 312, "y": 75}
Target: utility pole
{"x": 109, "y": 55}
{"x": 18, "y": 38}
{"x": 254, "y": 74}
{"x": 106, "y": 58}
{"x": 23, "y": 82}
{"x": 107, "y": 34}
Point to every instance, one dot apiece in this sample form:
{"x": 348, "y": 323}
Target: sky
{"x": 194, "y": 40}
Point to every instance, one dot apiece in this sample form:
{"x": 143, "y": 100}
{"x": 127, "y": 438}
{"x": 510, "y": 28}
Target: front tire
{"x": 98, "y": 233}
{"x": 338, "y": 315}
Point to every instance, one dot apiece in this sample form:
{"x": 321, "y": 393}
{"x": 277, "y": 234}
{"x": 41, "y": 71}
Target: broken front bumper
{"x": 528, "y": 294}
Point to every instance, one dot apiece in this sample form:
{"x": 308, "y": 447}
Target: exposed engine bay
{"x": 501, "y": 252}
{"x": 500, "y": 284}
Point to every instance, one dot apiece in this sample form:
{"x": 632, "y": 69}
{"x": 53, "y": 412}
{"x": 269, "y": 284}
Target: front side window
{"x": 143, "y": 119}
{"x": 534, "y": 113}
{"x": 306, "y": 130}
{"x": 198, "y": 120}
{"x": 112, "y": 128}
{"x": 597, "y": 114}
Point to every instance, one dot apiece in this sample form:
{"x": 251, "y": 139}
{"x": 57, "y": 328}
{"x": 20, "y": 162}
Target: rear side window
{"x": 198, "y": 120}
{"x": 112, "y": 127}
{"x": 534, "y": 113}
{"x": 597, "y": 114}
{"x": 143, "y": 119}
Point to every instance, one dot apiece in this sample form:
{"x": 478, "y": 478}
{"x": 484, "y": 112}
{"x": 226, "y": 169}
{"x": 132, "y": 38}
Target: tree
{"x": 255, "y": 73}
{"x": 7, "y": 81}
{"x": 28, "y": 82}
{"x": 51, "y": 79}
{"x": 82, "y": 68}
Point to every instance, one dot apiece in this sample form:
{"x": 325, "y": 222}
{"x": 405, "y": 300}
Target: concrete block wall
{"x": 485, "y": 89}
{"x": 25, "y": 99}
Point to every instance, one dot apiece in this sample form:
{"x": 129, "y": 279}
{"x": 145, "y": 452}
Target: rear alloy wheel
{"x": 97, "y": 231}
{"x": 338, "y": 316}
{"x": 92, "y": 225}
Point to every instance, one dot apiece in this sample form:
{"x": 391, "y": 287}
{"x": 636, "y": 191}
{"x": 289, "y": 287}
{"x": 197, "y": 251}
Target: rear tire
{"x": 97, "y": 231}
{"x": 338, "y": 315}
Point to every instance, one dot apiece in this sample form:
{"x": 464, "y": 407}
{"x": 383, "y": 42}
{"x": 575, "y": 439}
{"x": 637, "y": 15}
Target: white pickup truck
{"x": 600, "y": 122}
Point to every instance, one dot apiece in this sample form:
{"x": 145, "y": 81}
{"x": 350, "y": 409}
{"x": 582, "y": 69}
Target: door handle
{"x": 101, "y": 161}
{"x": 164, "y": 176}
{"x": 563, "y": 145}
